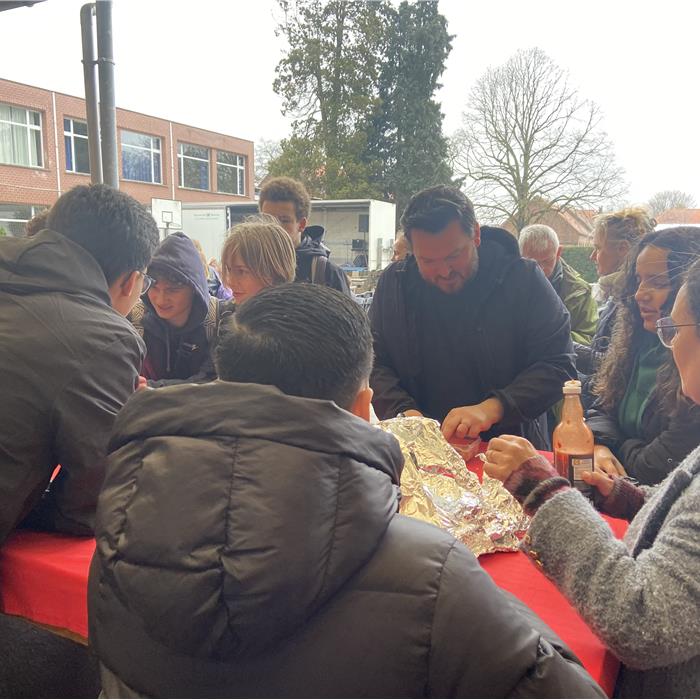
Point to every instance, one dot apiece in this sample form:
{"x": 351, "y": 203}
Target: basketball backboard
{"x": 167, "y": 213}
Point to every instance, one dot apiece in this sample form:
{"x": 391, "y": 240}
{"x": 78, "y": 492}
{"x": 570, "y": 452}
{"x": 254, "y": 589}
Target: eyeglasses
{"x": 666, "y": 329}
{"x": 146, "y": 282}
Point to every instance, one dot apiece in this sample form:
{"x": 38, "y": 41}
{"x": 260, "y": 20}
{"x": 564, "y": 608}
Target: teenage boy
{"x": 178, "y": 319}
{"x": 249, "y": 543}
{"x": 289, "y": 202}
{"x": 69, "y": 357}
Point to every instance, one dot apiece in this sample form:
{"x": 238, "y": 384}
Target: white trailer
{"x": 357, "y": 230}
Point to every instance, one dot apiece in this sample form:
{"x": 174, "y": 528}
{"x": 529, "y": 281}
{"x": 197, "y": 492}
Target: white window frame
{"x": 34, "y": 210}
{"x": 150, "y": 151}
{"x": 181, "y": 165}
{"x": 29, "y": 128}
{"x": 73, "y": 136}
{"x": 239, "y": 169}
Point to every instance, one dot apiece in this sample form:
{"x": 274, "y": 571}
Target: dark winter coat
{"x": 589, "y": 357}
{"x": 250, "y": 546}
{"x": 510, "y": 339}
{"x": 330, "y": 276}
{"x": 665, "y": 441}
{"x": 184, "y": 354}
{"x": 69, "y": 363}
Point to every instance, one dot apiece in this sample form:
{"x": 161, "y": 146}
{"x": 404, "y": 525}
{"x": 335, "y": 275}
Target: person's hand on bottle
{"x": 600, "y": 480}
{"x": 605, "y": 461}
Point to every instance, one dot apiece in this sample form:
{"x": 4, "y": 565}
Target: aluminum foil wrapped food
{"x": 437, "y": 487}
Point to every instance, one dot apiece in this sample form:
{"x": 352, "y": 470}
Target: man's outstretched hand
{"x": 469, "y": 421}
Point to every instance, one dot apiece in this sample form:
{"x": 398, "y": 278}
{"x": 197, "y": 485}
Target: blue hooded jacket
{"x": 180, "y": 354}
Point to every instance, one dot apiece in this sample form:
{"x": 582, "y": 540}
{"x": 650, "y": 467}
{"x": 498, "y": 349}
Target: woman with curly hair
{"x": 642, "y": 424}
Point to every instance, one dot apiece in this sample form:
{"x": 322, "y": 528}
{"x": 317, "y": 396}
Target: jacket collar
{"x": 50, "y": 262}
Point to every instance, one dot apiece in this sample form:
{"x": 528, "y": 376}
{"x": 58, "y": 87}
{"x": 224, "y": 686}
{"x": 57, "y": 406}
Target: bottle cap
{"x": 573, "y": 386}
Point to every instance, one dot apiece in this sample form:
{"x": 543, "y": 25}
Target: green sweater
{"x": 650, "y": 357}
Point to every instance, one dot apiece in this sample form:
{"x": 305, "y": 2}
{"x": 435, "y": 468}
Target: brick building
{"x": 573, "y": 226}
{"x": 43, "y": 153}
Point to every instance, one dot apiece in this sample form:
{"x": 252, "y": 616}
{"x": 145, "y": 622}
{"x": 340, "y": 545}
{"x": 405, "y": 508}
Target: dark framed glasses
{"x": 667, "y": 330}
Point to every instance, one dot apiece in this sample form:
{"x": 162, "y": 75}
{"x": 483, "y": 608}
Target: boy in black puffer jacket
{"x": 258, "y": 551}
{"x": 177, "y": 317}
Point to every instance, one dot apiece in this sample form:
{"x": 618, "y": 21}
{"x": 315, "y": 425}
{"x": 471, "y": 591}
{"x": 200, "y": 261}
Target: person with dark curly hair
{"x": 642, "y": 424}
{"x": 70, "y": 359}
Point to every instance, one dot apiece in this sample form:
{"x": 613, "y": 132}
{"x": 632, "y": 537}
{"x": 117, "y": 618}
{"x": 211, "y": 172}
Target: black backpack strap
{"x": 319, "y": 270}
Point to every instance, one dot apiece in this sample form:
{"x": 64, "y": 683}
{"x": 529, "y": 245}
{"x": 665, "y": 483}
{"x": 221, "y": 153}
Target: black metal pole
{"x": 90, "y": 79}
{"x": 108, "y": 110}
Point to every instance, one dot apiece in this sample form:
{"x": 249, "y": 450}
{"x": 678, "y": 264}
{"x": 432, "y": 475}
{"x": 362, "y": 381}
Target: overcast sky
{"x": 210, "y": 63}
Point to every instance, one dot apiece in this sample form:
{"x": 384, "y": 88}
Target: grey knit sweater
{"x": 641, "y": 595}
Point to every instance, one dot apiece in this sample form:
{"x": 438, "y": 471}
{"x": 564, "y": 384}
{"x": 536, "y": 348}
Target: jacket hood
{"x": 285, "y": 499}
{"x": 177, "y": 258}
{"x": 50, "y": 262}
{"x": 311, "y": 248}
{"x": 502, "y": 238}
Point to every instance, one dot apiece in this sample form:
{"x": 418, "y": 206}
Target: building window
{"x": 193, "y": 166}
{"x": 14, "y": 217}
{"x": 20, "y": 137}
{"x": 230, "y": 173}
{"x": 76, "y": 140}
{"x": 141, "y": 157}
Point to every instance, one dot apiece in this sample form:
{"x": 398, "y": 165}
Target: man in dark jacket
{"x": 178, "y": 318}
{"x": 249, "y": 543}
{"x": 289, "y": 202}
{"x": 466, "y": 331}
{"x": 69, "y": 357}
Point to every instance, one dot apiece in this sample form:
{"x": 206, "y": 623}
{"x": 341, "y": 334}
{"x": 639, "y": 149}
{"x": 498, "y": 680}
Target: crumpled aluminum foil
{"x": 437, "y": 487}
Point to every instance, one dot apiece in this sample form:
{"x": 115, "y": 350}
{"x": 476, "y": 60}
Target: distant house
{"x": 678, "y": 217}
{"x": 574, "y": 227}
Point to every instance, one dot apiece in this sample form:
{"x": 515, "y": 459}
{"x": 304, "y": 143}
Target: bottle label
{"x": 572, "y": 466}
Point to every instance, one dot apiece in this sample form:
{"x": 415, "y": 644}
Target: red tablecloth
{"x": 43, "y": 577}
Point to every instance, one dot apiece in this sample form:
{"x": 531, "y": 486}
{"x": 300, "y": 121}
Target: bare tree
{"x": 670, "y": 199}
{"x": 529, "y": 144}
{"x": 265, "y": 151}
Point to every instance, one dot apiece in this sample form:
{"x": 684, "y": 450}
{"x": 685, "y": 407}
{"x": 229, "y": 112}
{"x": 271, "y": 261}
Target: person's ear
{"x": 624, "y": 247}
{"x": 123, "y": 291}
{"x": 477, "y": 235}
{"x": 302, "y": 224}
{"x": 560, "y": 250}
{"x": 361, "y": 405}
{"x": 130, "y": 280}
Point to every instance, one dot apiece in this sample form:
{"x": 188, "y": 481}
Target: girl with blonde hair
{"x": 257, "y": 253}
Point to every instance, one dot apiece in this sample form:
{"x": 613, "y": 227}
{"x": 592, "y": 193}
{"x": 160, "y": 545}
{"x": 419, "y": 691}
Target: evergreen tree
{"x": 359, "y": 79}
{"x": 406, "y": 146}
{"x": 327, "y": 81}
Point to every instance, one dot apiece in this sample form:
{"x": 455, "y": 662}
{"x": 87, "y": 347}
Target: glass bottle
{"x": 572, "y": 438}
